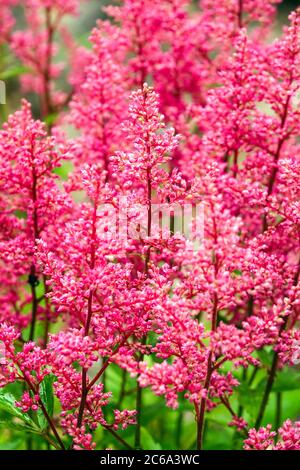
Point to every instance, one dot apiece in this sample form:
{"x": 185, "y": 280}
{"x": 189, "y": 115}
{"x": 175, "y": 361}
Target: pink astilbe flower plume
{"x": 37, "y": 48}
{"x": 34, "y": 204}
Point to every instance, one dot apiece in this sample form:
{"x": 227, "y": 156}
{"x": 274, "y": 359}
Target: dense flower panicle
{"x": 289, "y": 436}
{"x": 30, "y": 364}
{"x": 238, "y": 14}
{"x": 150, "y": 145}
{"x": 36, "y": 46}
{"x": 61, "y": 6}
{"x": 104, "y": 271}
{"x": 142, "y": 45}
{"x": 28, "y": 158}
{"x": 263, "y": 439}
{"x": 7, "y": 19}
{"x": 239, "y": 423}
{"x": 70, "y": 347}
{"x": 34, "y": 205}
{"x": 99, "y": 105}
{"x": 34, "y": 153}
{"x": 288, "y": 347}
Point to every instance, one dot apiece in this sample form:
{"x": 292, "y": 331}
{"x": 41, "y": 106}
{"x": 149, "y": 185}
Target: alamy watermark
{"x": 296, "y": 352}
{"x": 125, "y": 221}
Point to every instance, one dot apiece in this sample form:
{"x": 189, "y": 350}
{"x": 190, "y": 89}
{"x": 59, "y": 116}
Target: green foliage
{"x": 7, "y": 403}
{"x": 148, "y": 441}
{"x": 13, "y": 418}
{"x": 286, "y": 380}
{"x": 13, "y": 72}
{"x": 47, "y": 397}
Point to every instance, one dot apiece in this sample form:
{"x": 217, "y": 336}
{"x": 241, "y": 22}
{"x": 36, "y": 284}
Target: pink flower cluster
{"x": 263, "y": 439}
{"x": 218, "y": 128}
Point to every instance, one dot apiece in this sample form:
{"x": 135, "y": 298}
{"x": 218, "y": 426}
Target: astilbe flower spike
{"x": 32, "y": 205}
{"x": 37, "y": 48}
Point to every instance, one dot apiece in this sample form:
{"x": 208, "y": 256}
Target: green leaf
{"x": 13, "y": 444}
{"x": 84, "y": 40}
{"x": 7, "y": 403}
{"x": 286, "y": 380}
{"x": 237, "y": 273}
{"x": 63, "y": 170}
{"x": 249, "y": 399}
{"x": 150, "y": 411}
{"x": 13, "y": 72}
{"x": 148, "y": 443}
{"x": 47, "y": 397}
{"x": 20, "y": 214}
{"x": 266, "y": 357}
{"x": 19, "y": 426}
{"x": 51, "y": 118}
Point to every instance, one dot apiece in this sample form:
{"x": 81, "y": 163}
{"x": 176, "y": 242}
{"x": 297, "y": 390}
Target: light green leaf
{"x": 47, "y": 397}
{"x": 13, "y": 72}
{"x": 19, "y": 426}
{"x": 249, "y": 399}
{"x": 148, "y": 442}
{"x": 12, "y": 444}
{"x": 51, "y": 118}
{"x": 7, "y": 403}
{"x": 266, "y": 357}
{"x": 286, "y": 380}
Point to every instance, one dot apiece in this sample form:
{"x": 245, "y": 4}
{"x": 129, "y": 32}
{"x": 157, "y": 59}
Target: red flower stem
{"x": 233, "y": 414}
{"x": 240, "y": 14}
{"x": 124, "y": 443}
{"x": 107, "y": 362}
{"x": 47, "y": 319}
{"x": 42, "y": 406}
{"x": 46, "y": 97}
{"x": 34, "y": 301}
{"x": 84, "y": 389}
{"x": 139, "y": 390}
{"x": 277, "y": 156}
{"x": 210, "y": 368}
{"x": 32, "y": 276}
